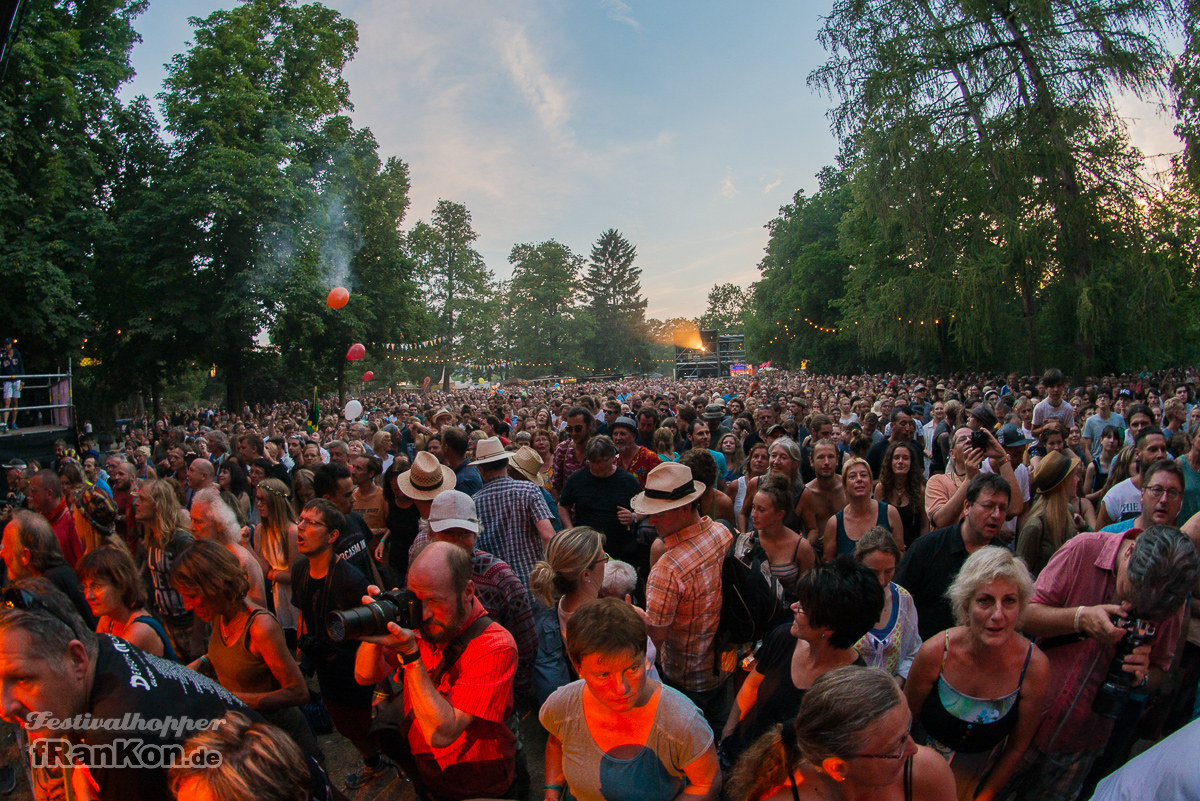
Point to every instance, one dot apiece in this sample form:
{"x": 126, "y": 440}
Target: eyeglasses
{"x": 1157, "y": 492}
{"x": 899, "y": 754}
{"x": 601, "y": 559}
{"x": 576, "y": 429}
{"x": 304, "y": 523}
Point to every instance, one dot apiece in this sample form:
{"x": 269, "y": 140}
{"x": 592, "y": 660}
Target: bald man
{"x": 459, "y": 745}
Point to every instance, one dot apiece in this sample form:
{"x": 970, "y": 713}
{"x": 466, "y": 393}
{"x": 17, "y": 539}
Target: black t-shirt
{"x": 927, "y": 570}
{"x": 131, "y": 681}
{"x": 343, "y": 587}
{"x": 351, "y": 544}
{"x": 594, "y": 503}
{"x": 875, "y": 456}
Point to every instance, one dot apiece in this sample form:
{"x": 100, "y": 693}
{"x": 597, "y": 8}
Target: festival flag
{"x": 314, "y": 414}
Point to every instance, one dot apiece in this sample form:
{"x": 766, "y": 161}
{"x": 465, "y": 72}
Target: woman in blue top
{"x": 978, "y": 689}
{"x": 617, "y": 735}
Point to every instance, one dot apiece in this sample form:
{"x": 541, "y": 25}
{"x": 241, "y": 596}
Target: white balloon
{"x": 353, "y": 410}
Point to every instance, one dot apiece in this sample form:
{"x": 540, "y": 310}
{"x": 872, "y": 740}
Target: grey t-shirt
{"x": 653, "y": 772}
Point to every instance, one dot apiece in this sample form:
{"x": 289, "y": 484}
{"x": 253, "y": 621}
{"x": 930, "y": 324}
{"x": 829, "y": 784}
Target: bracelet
{"x": 557, "y": 787}
{"x": 1078, "y": 610}
{"x": 409, "y": 659}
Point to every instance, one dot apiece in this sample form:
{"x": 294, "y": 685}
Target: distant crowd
{"x": 780, "y": 586}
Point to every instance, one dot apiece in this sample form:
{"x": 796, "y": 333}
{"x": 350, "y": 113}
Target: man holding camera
{"x": 448, "y": 729}
{"x": 1107, "y": 611}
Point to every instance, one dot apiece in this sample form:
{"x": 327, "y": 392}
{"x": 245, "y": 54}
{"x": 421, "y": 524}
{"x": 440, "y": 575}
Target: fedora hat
{"x": 440, "y": 413}
{"x": 426, "y": 478}
{"x": 668, "y": 486}
{"x": 1052, "y": 470}
{"x": 490, "y": 450}
{"x": 527, "y": 461}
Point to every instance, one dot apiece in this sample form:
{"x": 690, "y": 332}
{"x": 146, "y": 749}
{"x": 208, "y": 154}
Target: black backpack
{"x": 751, "y": 604}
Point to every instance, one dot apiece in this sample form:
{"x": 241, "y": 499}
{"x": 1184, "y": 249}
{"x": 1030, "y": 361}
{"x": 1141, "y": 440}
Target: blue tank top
{"x": 845, "y": 545}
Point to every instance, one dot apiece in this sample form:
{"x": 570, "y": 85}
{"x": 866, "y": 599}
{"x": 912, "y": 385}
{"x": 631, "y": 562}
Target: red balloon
{"x": 356, "y": 352}
{"x": 339, "y": 296}
{"x": 368, "y": 376}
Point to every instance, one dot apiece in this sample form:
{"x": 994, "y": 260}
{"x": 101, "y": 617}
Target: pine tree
{"x": 613, "y": 288}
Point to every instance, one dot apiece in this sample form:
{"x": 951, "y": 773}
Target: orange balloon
{"x": 356, "y": 352}
{"x": 339, "y": 296}
{"x": 369, "y": 376}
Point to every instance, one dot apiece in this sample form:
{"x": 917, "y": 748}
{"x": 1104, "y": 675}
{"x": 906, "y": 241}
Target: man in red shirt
{"x": 457, "y": 744}
{"x": 46, "y": 498}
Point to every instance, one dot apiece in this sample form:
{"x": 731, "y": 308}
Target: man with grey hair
{"x": 54, "y": 668}
{"x": 213, "y": 519}
{"x": 1097, "y": 590}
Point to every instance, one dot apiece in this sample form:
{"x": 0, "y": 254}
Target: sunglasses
{"x": 26, "y": 601}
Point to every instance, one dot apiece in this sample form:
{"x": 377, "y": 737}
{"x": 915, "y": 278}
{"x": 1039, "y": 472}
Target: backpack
{"x": 751, "y": 604}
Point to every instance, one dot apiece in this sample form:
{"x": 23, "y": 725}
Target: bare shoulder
{"x": 932, "y": 779}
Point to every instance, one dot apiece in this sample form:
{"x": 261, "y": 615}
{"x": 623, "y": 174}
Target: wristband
{"x": 1078, "y": 610}
{"x": 557, "y": 787}
{"x": 409, "y": 659}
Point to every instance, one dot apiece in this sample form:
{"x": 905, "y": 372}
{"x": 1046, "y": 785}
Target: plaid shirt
{"x": 684, "y": 594}
{"x": 509, "y": 511}
{"x": 565, "y": 463}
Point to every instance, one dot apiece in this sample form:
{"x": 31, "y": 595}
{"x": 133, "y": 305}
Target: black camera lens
{"x": 367, "y": 620}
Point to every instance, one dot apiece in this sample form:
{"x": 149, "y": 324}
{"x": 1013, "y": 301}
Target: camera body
{"x": 1114, "y": 692}
{"x": 401, "y": 606}
{"x": 979, "y": 439}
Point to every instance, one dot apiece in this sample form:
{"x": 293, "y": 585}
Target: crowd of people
{"x": 983, "y": 588}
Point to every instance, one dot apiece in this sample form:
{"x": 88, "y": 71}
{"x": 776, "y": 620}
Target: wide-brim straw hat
{"x": 426, "y": 478}
{"x": 529, "y": 463}
{"x": 668, "y": 486}
{"x": 490, "y": 450}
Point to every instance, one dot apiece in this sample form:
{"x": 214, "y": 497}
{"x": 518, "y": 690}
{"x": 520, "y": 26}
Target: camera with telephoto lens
{"x": 368, "y": 620}
{"x": 1114, "y": 692}
{"x": 979, "y": 440}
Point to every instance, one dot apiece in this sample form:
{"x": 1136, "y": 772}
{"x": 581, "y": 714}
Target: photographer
{"x": 322, "y": 583}
{"x": 448, "y": 728}
{"x": 1107, "y": 611}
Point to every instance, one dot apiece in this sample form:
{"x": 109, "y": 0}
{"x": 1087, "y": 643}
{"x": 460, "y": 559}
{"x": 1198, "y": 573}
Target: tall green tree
{"x": 58, "y": 109}
{"x": 726, "y": 308}
{"x": 1009, "y": 108}
{"x": 453, "y": 277}
{"x": 242, "y": 104}
{"x": 542, "y": 303}
{"x": 613, "y": 292}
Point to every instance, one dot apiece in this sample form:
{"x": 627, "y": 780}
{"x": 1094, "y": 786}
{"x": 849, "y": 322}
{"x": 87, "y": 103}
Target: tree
{"x": 1007, "y": 111}
{"x": 545, "y": 287}
{"x": 452, "y": 275}
{"x": 243, "y": 103}
{"x": 613, "y": 291}
{"x": 58, "y": 104}
{"x": 1185, "y": 83}
{"x": 726, "y": 305}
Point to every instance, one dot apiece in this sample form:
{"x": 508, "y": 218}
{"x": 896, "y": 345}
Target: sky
{"x": 684, "y": 124}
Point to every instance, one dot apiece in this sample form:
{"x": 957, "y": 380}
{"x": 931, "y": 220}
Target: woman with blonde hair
{"x": 302, "y": 490}
{"x": 156, "y": 510}
{"x": 860, "y": 514}
{"x": 1053, "y": 519}
{"x": 978, "y": 689}
{"x": 96, "y": 519}
{"x": 850, "y": 739}
{"x": 275, "y": 546}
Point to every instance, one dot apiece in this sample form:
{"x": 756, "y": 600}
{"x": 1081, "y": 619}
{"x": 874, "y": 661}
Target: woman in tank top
{"x": 860, "y": 514}
{"x": 902, "y": 485}
{"x": 117, "y": 597}
{"x": 788, "y": 555}
{"x": 247, "y": 653}
{"x": 977, "y": 690}
{"x": 850, "y": 739}
{"x": 754, "y": 466}
{"x": 275, "y": 547}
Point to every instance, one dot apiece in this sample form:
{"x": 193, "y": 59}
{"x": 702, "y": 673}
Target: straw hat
{"x": 668, "y": 486}
{"x": 426, "y": 478}
{"x": 490, "y": 450}
{"x": 529, "y": 463}
{"x": 440, "y": 413}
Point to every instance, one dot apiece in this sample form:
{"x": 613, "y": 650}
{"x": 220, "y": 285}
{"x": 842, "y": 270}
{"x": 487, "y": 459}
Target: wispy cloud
{"x": 622, "y": 13}
{"x": 544, "y": 93}
{"x": 728, "y": 189}
{"x": 773, "y": 185}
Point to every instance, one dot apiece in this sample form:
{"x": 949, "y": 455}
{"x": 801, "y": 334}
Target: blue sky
{"x": 683, "y": 124}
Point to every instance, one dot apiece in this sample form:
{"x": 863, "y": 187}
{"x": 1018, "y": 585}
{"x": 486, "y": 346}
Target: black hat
{"x": 714, "y": 411}
{"x": 984, "y": 414}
